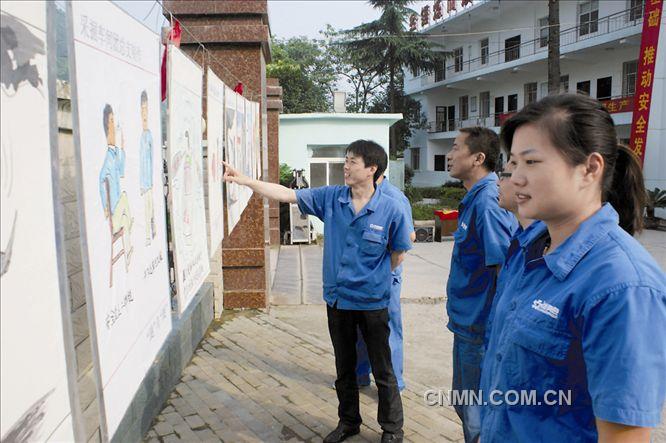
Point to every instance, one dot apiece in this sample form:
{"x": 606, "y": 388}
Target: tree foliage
{"x": 305, "y": 72}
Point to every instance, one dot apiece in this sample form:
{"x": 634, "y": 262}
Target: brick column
{"x": 237, "y": 34}
{"x": 274, "y": 105}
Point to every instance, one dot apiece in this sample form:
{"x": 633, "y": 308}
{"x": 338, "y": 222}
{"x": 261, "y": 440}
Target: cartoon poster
{"x": 215, "y": 126}
{"x": 35, "y": 402}
{"x": 232, "y": 156}
{"x": 115, "y": 72}
{"x": 185, "y": 161}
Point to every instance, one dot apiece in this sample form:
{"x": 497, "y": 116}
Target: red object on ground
{"x": 239, "y": 88}
{"x": 446, "y": 215}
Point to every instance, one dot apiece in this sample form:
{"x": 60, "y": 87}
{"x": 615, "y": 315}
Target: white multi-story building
{"x": 500, "y": 64}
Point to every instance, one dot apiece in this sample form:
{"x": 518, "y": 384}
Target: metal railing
{"x": 605, "y": 25}
{"x": 472, "y": 120}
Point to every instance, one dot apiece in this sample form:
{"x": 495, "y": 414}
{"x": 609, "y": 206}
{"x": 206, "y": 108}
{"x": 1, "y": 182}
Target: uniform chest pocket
{"x": 538, "y": 358}
{"x": 372, "y": 243}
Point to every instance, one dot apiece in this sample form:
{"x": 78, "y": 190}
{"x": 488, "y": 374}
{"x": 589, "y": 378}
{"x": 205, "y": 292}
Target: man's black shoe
{"x": 341, "y": 433}
{"x": 389, "y": 437}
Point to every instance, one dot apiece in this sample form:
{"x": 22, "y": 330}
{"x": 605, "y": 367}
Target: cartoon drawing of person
{"x": 115, "y": 201}
{"x": 146, "y": 169}
{"x": 19, "y": 73}
{"x": 186, "y": 160}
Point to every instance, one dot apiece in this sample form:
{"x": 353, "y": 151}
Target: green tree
{"x": 411, "y": 113}
{"x": 305, "y": 73}
{"x": 356, "y": 69}
{"x": 394, "y": 47}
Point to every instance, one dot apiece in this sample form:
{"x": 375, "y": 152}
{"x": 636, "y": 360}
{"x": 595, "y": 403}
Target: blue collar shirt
{"x": 358, "y": 247}
{"x": 481, "y": 243}
{"x": 585, "y": 323}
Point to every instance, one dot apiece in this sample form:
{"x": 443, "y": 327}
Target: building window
{"x": 464, "y": 107}
{"x": 543, "y": 32}
{"x": 472, "y": 105}
{"x": 636, "y": 10}
{"x": 484, "y": 98}
{"x": 583, "y": 87}
{"x": 416, "y": 158}
{"x": 530, "y": 93}
{"x": 564, "y": 83}
{"x": 458, "y": 59}
{"x": 512, "y": 102}
{"x": 484, "y": 51}
{"x": 440, "y": 162}
{"x": 604, "y": 88}
{"x": 512, "y": 48}
{"x": 588, "y": 17}
{"x": 629, "y": 70}
{"x": 326, "y": 166}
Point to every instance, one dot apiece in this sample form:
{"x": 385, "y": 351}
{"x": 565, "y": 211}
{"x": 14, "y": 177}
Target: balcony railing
{"x": 605, "y": 25}
{"x": 473, "y": 120}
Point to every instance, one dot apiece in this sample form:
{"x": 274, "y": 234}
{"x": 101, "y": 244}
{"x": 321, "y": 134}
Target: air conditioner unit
{"x": 424, "y": 234}
{"x": 300, "y": 225}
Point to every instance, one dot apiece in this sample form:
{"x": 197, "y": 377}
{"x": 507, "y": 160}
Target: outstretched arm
{"x": 271, "y": 191}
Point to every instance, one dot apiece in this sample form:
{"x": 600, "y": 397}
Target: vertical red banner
{"x": 647, "y": 59}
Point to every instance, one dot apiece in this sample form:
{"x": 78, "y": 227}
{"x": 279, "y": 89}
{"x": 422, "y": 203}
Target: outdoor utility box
{"x": 446, "y": 222}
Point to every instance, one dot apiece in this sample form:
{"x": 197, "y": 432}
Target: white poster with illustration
{"x": 185, "y": 159}
{"x": 34, "y": 399}
{"x": 215, "y": 168}
{"x": 232, "y": 156}
{"x": 116, "y": 73}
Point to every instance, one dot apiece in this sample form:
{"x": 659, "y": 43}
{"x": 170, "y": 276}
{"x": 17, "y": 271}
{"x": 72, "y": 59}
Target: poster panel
{"x": 185, "y": 161}
{"x": 215, "y": 127}
{"x": 115, "y": 73}
{"x": 35, "y": 402}
{"x": 232, "y": 157}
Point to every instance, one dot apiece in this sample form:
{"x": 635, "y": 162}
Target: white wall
{"x": 297, "y": 134}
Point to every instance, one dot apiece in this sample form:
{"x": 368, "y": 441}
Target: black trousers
{"x": 374, "y": 326}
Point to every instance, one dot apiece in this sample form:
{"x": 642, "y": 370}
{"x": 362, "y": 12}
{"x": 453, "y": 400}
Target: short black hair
{"x": 483, "y": 140}
{"x": 144, "y": 97}
{"x": 372, "y": 153}
{"x": 108, "y": 110}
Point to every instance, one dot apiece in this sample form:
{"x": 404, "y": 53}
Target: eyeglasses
{"x": 503, "y": 175}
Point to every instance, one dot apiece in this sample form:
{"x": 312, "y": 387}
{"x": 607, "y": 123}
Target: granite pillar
{"x": 274, "y": 105}
{"x": 237, "y": 35}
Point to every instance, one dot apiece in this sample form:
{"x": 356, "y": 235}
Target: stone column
{"x": 237, "y": 35}
{"x": 274, "y": 105}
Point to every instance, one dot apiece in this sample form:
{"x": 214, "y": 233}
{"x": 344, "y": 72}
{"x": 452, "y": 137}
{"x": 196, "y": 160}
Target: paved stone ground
{"x": 266, "y": 376}
{"x": 256, "y": 378}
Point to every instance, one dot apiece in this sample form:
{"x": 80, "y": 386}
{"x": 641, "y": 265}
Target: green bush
{"x": 424, "y": 212}
{"x": 453, "y": 193}
{"x": 286, "y": 174}
{"x": 413, "y": 194}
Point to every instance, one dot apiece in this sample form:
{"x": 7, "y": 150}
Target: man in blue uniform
{"x": 366, "y": 238}
{"x": 395, "y": 312}
{"x": 481, "y": 243}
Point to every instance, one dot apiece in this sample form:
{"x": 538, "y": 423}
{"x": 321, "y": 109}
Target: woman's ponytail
{"x": 627, "y": 191}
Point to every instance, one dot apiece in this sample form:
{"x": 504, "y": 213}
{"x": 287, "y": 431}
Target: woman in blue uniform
{"x": 577, "y": 350}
